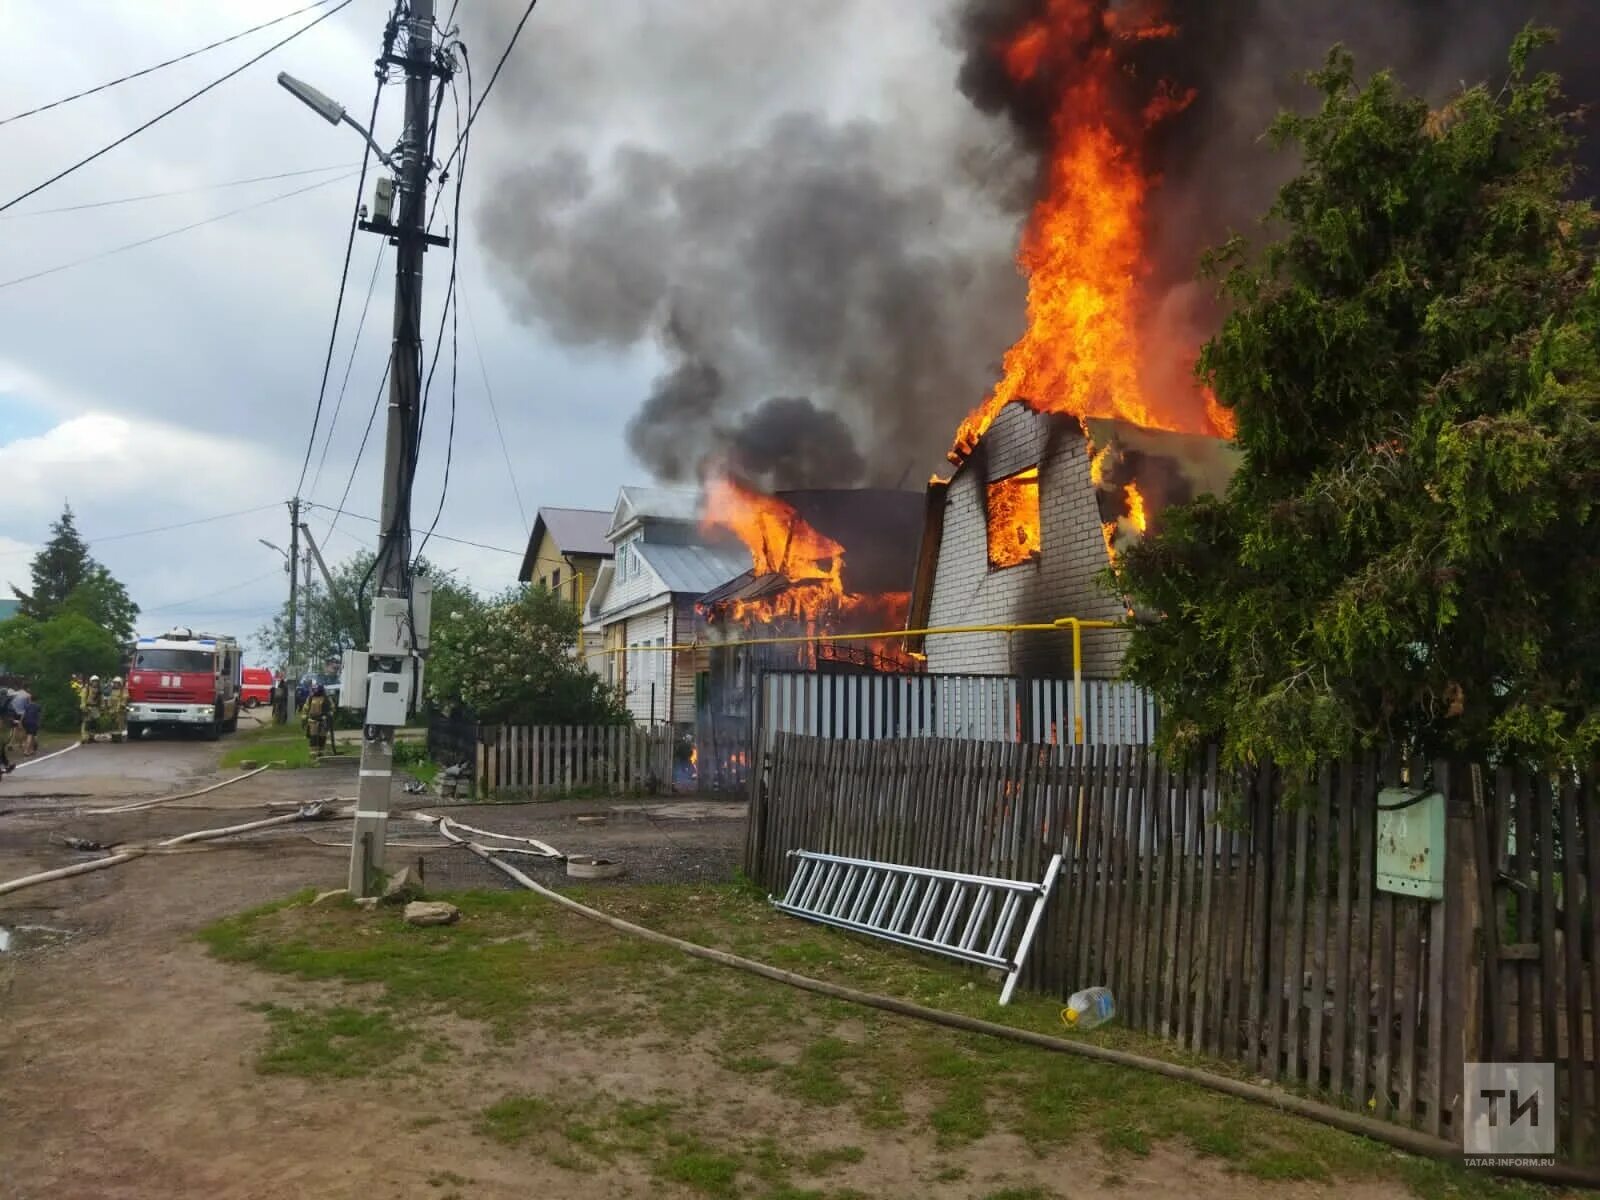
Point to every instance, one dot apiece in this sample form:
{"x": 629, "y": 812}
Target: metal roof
{"x": 693, "y": 569}
{"x": 574, "y": 531}
{"x": 648, "y": 503}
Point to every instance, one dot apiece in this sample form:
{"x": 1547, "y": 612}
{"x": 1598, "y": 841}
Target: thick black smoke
{"x": 832, "y": 292}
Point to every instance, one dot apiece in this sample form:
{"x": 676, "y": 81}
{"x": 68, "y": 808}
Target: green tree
{"x": 328, "y": 625}
{"x": 1409, "y": 550}
{"x": 48, "y": 653}
{"x": 67, "y": 579}
{"x": 514, "y": 661}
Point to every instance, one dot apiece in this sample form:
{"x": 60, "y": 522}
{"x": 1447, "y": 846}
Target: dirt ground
{"x": 129, "y": 1054}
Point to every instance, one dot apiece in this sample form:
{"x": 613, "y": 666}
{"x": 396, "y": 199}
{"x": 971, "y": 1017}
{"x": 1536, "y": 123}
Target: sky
{"x": 176, "y": 381}
{"x": 799, "y": 196}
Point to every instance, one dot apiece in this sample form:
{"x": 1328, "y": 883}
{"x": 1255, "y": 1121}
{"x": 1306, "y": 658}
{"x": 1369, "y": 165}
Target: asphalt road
{"x": 149, "y": 765}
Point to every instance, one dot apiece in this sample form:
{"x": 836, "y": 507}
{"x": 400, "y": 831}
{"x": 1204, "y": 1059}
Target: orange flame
{"x": 1083, "y": 248}
{"x": 1014, "y": 519}
{"x": 782, "y": 543}
{"x": 1222, "y": 420}
{"x": 1097, "y": 465}
{"x": 1136, "y": 506}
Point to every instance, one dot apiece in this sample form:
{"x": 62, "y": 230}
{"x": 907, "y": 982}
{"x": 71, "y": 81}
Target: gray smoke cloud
{"x": 811, "y": 212}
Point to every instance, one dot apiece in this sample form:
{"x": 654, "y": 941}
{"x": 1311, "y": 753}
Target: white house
{"x": 643, "y": 600}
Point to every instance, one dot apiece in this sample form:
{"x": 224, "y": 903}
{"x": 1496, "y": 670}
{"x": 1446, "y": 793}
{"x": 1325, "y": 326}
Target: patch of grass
{"x": 750, "y": 1064}
{"x": 1027, "y": 1193}
{"x": 962, "y": 1114}
{"x": 820, "y": 1162}
{"x": 516, "y": 1118}
{"x": 816, "y": 1077}
{"x": 1283, "y": 1164}
{"x": 329, "y": 1043}
{"x": 703, "y": 1169}
{"x": 281, "y": 745}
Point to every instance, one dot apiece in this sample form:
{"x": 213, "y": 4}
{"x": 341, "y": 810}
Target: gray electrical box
{"x": 421, "y": 611}
{"x": 353, "y": 679}
{"x": 388, "y": 697}
{"x": 1410, "y": 858}
{"x": 383, "y": 201}
{"x": 391, "y": 627}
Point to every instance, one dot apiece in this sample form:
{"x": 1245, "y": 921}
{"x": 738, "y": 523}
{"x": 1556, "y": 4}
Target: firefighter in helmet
{"x": 317, "y": 717}
{"x": 117, "y": 710}
{"x": 89, "y": 706}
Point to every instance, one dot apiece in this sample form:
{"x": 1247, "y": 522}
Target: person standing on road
{"x": 117, "y": 710}
{"x": 30, "y": 727}
{"x": 90, "y": 709}
{"x": 316, "y": 717}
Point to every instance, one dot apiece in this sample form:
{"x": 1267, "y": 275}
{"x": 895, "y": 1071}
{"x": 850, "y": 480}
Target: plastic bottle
{"x": 1090, "y": 1007}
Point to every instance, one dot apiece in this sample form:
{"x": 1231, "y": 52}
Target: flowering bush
{"x": 514, "y": 661}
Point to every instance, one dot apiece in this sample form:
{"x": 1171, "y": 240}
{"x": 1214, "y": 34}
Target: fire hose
{"x": 315, "y": 811}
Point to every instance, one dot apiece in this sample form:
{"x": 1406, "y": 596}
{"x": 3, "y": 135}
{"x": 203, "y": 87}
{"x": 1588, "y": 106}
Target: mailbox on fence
{"x": 1411, "y": 843}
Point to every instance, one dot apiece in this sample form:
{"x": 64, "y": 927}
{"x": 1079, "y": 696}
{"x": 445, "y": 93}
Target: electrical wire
{"x": 389, "y": 31}
{"x": 443, "y": 537}
{"x": 344, "y": 384}
{"x": 494, "y": 412}
{"x": 167, "y": 112}
{"x": 117, "y": 537}
{"x": 190, "y": 191}
{"x": 170, "y": 62}
{"x": 452, "y": 307}
{"x": 472, "y": 115}
{"x": 160, "y": 237}
{"x": 232, "y": 587}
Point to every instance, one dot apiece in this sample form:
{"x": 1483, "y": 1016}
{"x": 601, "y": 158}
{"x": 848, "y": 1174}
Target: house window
{"x": 555, "y": 580}
{"x": 1013, "y": 519}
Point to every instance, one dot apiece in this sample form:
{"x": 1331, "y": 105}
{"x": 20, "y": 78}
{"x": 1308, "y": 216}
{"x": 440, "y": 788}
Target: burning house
{"x": 826, "y": 565}
{"x": 1021, "y": 531}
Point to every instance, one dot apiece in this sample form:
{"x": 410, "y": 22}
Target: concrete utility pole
{"x": 393, "y": 568}
{"x": 294, "y": 579}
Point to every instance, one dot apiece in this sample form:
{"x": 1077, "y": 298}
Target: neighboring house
{"x": 1020, "y": 532}
{"x": 566, "y": 550}
{"x": 643, "y": 600}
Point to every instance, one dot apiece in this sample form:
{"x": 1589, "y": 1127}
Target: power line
{"x": 443, "y": 537}
{"x": 171, "y": 61}
{"x": 232, "y": 587}
{"x": 489, "y": 87}
{"x": 389, "y": 32}
{"x": 190, "y": 191}
{"x": 488, "y": 392}
{"x": 165, "y": 113}
{"x": 344, "y": 384}
{"x": 158, "y": 237}
{"x": 117, "y": 537}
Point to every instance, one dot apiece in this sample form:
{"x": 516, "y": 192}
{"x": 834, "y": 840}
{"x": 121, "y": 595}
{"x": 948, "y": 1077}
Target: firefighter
{"x": 317, "y": 717}
{"x": 89, "y": 705}
{"x": 117, "y": 710}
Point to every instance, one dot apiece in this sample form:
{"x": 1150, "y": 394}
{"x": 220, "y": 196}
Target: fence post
{"x": 1463, "y": 990}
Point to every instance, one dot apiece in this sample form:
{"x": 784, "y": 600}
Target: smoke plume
{"x": 811, "y": 212}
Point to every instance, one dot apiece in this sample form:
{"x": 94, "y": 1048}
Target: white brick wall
{"x": 1060, "y": 583}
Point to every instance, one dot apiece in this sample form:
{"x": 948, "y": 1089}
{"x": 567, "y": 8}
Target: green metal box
{"x": 1411, "y": 843}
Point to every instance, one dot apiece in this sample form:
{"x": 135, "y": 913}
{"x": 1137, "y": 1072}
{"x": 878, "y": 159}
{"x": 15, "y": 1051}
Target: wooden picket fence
{"x": 542, "y": 760}
{"x": 1244, "y": 923}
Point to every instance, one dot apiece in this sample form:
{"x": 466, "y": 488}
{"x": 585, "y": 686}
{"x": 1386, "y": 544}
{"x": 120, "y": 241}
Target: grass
{"x": 281, "y": 745}
{"x": 522, "y": 967}
{"x": 328, "y": 1043}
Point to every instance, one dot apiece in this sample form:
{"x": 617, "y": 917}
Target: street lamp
{"x": 332, "y": 112}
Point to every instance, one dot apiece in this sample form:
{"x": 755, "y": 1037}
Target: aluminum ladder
{"x": 969, "y": 917}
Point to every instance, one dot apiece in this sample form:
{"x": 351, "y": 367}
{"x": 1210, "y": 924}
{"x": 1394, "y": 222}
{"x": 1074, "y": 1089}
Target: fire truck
{"x": 184, "y": 680}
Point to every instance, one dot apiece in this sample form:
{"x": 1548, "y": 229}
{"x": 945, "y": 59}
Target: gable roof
{"x": 574, "y": 530}
{"x": 648, "y": 503}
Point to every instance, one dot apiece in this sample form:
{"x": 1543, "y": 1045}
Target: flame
{"x": 1222, "y": 420}
{"x": 1014, "y": 519}
{"x": 1097, "y": 465}
{"x": 1109, "y": 532}
{"x": 1136, "y": 506}
{"x": 814, "y": 603}
{"x": 1083, "y": 248}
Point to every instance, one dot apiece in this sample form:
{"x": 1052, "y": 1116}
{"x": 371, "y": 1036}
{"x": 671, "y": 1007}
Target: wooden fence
{"x": 539, "y": 760}
{"x": 1243, "y": 923}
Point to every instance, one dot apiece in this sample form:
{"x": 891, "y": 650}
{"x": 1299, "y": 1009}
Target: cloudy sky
{"x": 792, "y": 200}
{"x": 176, "y": 381}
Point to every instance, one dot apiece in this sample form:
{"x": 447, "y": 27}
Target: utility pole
{"x": 405, "y": 385}
{"x": 294, "y": 597}
{"x": 305, "y": 587}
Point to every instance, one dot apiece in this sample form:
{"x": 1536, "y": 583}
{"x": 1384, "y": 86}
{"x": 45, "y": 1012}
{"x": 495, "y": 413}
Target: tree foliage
{"x": 48, "y": 653}
{"x": 327, "y": 625}
{"x": 1409, "y": 550}
{"x": 66, "y": 579}
{"x": 513, "y": 661}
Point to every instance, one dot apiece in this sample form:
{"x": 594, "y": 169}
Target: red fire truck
{"x": 184, "y": 680}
